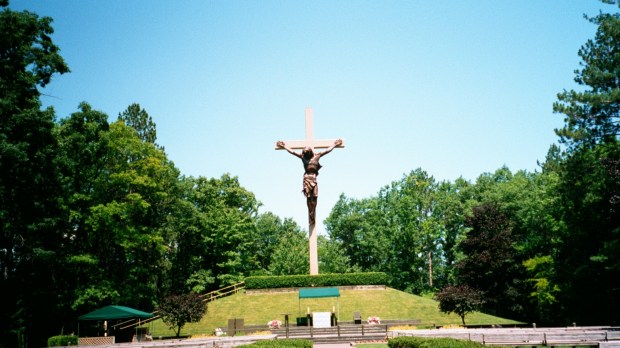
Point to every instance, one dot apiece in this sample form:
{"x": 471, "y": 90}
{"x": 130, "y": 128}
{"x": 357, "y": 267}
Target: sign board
{"x": 321, "y": 319}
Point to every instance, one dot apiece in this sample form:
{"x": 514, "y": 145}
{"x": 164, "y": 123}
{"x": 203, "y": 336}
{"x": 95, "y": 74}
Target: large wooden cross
{"x": 314, "y": 144}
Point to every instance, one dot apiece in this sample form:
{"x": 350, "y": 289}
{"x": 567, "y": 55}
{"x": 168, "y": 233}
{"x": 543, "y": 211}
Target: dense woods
{"x": 93, "y": 212}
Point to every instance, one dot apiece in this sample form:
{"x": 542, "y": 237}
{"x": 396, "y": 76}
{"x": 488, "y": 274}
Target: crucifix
{"x": 310, "y": 160}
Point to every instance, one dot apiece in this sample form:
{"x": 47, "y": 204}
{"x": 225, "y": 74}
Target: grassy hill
{"x": 258, "y": 309}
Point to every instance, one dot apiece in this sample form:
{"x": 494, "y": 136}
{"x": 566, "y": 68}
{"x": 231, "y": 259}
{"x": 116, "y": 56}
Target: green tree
{"x": 29, "y": 187}
{"x": 138, "y": 119}
{"x": 332, "y": 258}
{"x": 589, "y": 180}
{"x": 214, "y": 233}
{"x": 291, "y": 255}
{"x": 120, "y": 193}
{"x": 530, "y": 203}
{"x": 587, "y": 262}
{"x": 177, "y": 310}
{"x": 538, "y": 231}
{"x": 592, "y": 116}
{"x": 359, "y": 227}
{"x": 269, "y": 229}
{"x": 83, "y": 152}
{"x": 453, "y": 203}
{"x": 184, "y": 230}
{"x": 410, "y": 205}
{"x": 81, "y": 158}
{"x": 544, "y": 291}
{"x": 423, "y": 217}
{"x": 136, "y": 194}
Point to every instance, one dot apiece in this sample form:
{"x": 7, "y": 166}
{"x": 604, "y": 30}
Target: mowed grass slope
{"x": 258, "y": 309}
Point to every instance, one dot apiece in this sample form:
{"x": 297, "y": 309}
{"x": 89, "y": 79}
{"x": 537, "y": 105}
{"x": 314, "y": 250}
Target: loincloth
{"x": 310, "y": 187}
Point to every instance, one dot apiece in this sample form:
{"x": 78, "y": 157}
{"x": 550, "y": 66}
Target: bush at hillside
{"x": 301, "y": 281}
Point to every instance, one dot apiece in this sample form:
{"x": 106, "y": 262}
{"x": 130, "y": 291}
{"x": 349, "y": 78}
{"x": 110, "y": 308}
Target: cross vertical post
{"x": 312, "y": 163}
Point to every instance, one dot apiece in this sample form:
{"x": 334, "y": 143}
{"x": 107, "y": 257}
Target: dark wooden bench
{"x": 575, "y": 338}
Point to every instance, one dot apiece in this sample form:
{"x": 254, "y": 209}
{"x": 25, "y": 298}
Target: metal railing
{"x": 206, "y": 298}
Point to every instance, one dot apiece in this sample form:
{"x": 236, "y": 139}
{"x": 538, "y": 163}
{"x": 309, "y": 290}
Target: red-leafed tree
{"x": 460, "y": 299}
{"x": 177, "y": 310}
{"x": 490, "y": 263}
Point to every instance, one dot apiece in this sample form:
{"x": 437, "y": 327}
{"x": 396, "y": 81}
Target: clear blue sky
{"x": 457, "y": 88}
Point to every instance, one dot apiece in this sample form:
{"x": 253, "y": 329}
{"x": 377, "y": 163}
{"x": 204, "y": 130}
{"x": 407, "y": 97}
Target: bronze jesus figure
{"x": 311, "y": 164}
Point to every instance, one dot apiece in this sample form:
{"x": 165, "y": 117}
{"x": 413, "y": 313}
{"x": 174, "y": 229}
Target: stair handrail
{"x": 206, "y": 298}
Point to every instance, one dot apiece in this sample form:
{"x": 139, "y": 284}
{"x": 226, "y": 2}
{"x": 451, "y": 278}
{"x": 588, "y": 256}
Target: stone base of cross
{"x": 314, "y": 144}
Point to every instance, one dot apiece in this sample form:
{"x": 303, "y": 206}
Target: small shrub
{"x": 283, "y": 343}
{"x": 63, "y": 340}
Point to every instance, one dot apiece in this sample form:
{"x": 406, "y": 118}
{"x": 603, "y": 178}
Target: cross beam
{"x": 309, "y": 141}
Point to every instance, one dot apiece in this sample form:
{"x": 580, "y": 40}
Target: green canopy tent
{"x": 114, "y": 313}
{"x": 319, "y": 293}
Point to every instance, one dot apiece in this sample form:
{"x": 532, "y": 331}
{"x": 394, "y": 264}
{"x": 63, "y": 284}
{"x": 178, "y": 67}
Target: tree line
{"x": 93, "y": 212}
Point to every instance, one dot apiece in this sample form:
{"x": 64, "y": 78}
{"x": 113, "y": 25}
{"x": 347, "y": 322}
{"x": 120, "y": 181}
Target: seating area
{"x": 339, "y": 333}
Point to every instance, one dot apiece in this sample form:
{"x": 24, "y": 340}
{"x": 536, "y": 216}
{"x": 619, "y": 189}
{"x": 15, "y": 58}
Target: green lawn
{"x": 258, "y": 309}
